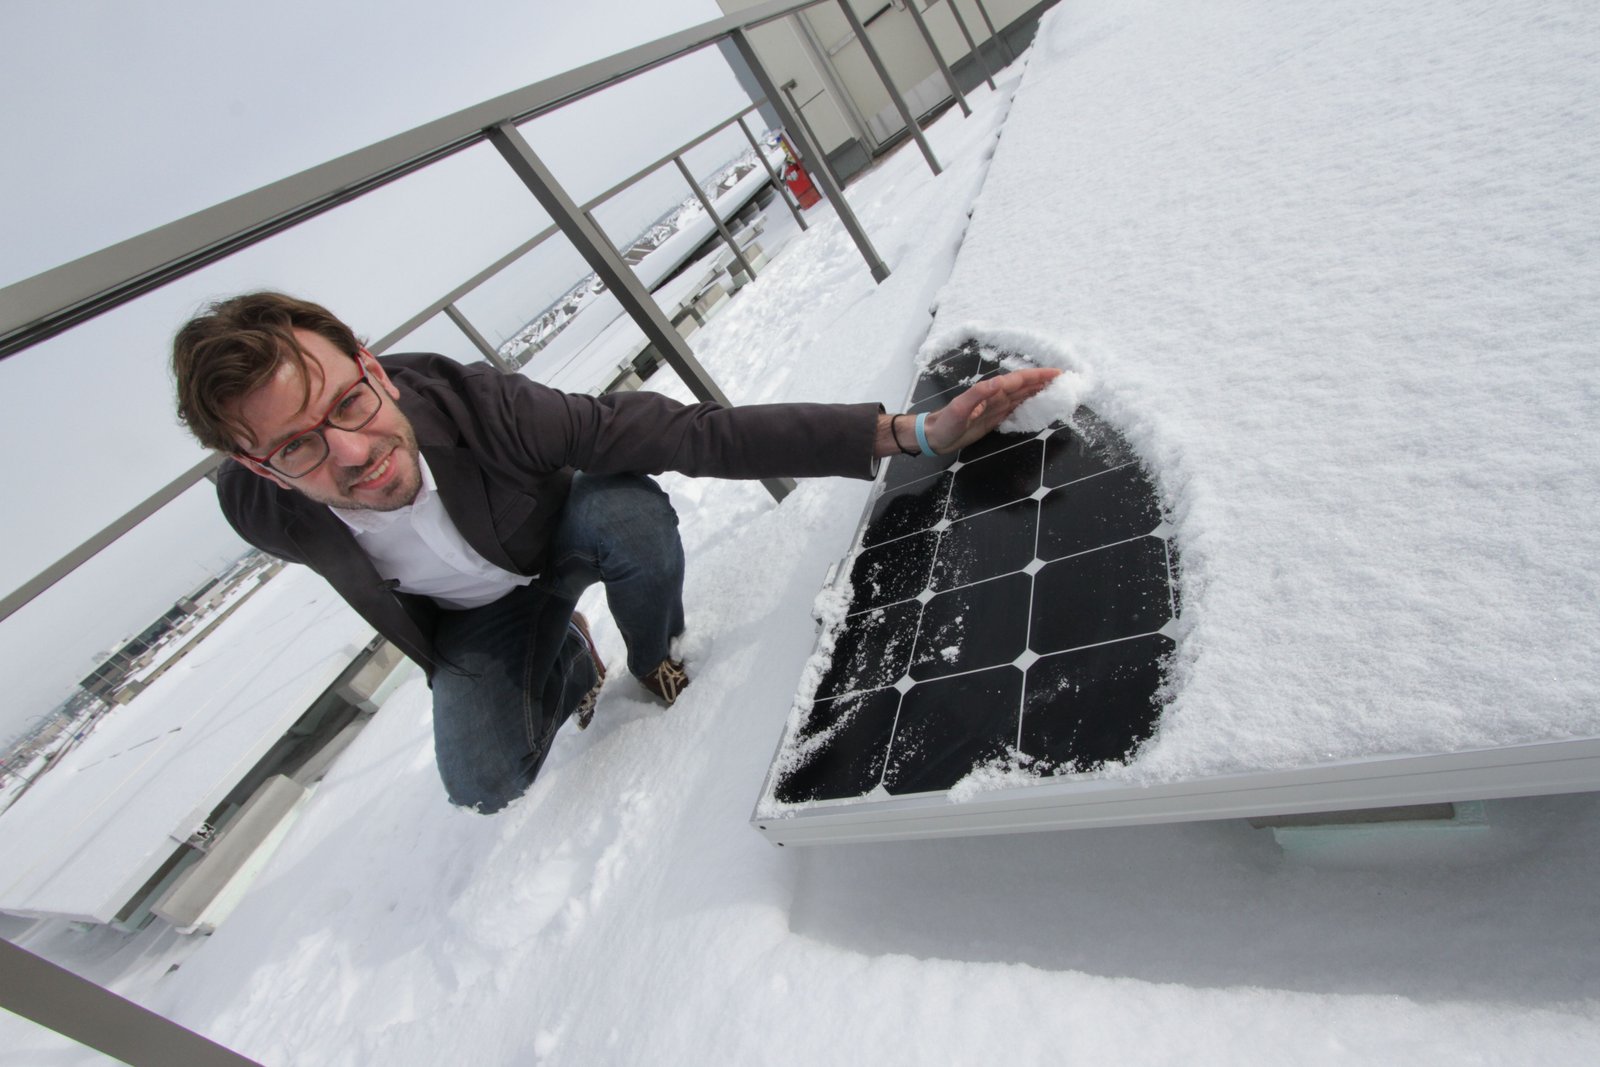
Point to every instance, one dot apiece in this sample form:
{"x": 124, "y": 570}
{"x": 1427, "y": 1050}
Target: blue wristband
{"x": 922, "y": 436}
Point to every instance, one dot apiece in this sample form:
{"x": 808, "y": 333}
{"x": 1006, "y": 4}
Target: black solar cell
{"x": 873, "y": 649}
{"x": 950, "y": 725}
{"x": 915, "y": 506}
{"x": 996, "y": 479}
{"x": 841, "y": 751}
{"x": 987, "y": 545}
{"x": 980, "y": 625}
{"x": 896, "y": 570}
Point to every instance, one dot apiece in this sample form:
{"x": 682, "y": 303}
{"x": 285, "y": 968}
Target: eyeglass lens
{"x": 353, "y": 411}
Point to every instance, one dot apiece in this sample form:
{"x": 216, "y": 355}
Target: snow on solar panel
{"x": 1005, "y": 605}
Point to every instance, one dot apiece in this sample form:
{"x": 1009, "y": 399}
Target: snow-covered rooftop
{"x": 624, "y": 913}
{"x": 90, "y": 832}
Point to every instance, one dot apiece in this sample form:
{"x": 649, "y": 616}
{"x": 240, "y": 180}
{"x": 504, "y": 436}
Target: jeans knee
{"x": 484, "y": 794}
{"x": 624, "y": 518}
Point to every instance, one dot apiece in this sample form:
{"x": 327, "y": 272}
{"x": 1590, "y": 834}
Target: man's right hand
{"x": 973, "y": 414}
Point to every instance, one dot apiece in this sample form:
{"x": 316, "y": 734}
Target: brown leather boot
{"x": 666, "y": 681}
{"x": 584, "y": 712}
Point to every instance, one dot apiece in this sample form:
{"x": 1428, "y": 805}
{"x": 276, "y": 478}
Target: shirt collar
{"x": 364, "y": 520}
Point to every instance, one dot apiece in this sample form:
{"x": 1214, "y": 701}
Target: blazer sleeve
{"x": 529, "y": 426}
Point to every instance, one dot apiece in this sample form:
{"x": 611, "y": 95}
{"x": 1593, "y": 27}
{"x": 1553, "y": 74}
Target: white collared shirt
{"x": 419, "y": 546}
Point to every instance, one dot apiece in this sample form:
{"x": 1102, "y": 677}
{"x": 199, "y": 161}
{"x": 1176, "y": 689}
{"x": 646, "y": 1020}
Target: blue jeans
{"x": 511, "y": 672}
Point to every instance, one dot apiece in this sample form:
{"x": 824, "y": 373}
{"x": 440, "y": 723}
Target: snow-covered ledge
{"x": 1335, "y": 287}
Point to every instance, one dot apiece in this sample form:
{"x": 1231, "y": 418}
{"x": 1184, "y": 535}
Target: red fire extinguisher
{"x": 799, "y": 183}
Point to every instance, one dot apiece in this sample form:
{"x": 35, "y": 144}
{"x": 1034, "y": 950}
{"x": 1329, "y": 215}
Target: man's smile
{"x": 378, "y": 475}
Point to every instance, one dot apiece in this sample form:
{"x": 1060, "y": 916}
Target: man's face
{"x": 374, "y": 468}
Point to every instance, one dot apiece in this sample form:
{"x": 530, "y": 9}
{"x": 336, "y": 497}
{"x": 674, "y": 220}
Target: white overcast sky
{"x": 120, "y": 117}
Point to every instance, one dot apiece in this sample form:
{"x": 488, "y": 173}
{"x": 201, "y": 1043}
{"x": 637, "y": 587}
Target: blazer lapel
{"x": 459, "y": 478}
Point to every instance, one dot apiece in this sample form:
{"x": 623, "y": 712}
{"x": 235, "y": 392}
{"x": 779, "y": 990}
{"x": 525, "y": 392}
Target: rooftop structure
{"x": 90, "y": 839}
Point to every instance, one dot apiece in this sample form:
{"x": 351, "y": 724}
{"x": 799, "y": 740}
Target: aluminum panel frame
{"x": 1535, "y": 769}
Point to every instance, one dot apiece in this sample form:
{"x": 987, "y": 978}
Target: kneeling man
{"x": 462, "y": 511}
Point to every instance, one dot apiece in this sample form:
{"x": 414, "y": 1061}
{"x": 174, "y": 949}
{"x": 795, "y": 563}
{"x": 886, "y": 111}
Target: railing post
{"x": 933, "y": 46}
{"x": 888, "y": 83}
{"x": 1005, "y": 49}
{"x": 617, "y": 276}
{"x": 479, "y": 342}
{"x": 75, "y": 1007}
{"x": 777, "y": 182}
{"x": 972, "y": 46}
{"x": 799, "y": 111}
{"x": 811, "y": 152}
{"x": 716, "y": 220}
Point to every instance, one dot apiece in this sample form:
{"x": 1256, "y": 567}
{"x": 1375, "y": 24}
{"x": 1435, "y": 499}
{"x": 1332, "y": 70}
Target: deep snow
{"x": 1333, "y": 270}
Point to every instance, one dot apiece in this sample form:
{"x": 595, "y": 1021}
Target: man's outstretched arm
{"x": 966, "y": 418}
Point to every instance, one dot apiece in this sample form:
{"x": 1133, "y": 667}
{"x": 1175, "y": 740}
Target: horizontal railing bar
{"x": 649, "y": 168}
{"x": 394, "y": 335}
{"x": 131, "y": 260}
{"x": 64, "y": 566}
{"x": 48, "y": 303}
{"x": 379, "y": 346}
{"x": 751, "y": 22}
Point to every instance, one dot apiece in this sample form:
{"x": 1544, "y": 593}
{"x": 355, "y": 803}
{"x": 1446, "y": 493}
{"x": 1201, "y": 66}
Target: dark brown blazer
{"x": 502, "y": 449}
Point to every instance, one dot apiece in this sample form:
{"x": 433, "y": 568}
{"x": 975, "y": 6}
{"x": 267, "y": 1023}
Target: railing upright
{"x": 888, "y": 83}
{"x": 481, "y": 343}
{"x": 972, "y": 46}
{"x": 815, "y": 161}
{"x": 777, "y": 182}
{"x": 616, "y": 274}
{"x": 994, "y": 34}
{"x": 55, "y": 998}
{"x": 812, "y": 155}
{"x": 944, "y": 68}
{"x": 716, "y": 219}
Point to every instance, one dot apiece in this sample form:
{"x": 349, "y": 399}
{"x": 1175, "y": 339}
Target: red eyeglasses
{"x": 351, "y": 410}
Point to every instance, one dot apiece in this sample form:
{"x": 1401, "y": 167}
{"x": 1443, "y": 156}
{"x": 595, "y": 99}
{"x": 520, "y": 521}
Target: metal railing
{"x": 47, "y": 304}
{"x": 447, "y": 304}
{"x": 44, "y": 305}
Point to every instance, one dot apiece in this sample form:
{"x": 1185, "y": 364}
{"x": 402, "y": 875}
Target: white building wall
{"x": 786, "y": 56}
{"x": 840, "y": 93}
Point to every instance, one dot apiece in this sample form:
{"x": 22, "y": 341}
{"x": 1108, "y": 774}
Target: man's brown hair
{"x": 234, "y": 347}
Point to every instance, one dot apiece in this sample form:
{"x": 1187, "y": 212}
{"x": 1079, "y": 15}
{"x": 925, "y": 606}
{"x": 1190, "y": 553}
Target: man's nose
{"x": 347, "y": 448}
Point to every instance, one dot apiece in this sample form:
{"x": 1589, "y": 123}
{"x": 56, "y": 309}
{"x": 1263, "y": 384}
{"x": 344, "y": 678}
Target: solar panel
{"x": 1007, "y": 604}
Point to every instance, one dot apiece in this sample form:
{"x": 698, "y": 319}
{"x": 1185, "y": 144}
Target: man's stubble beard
{"x": 404, "y": 489}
